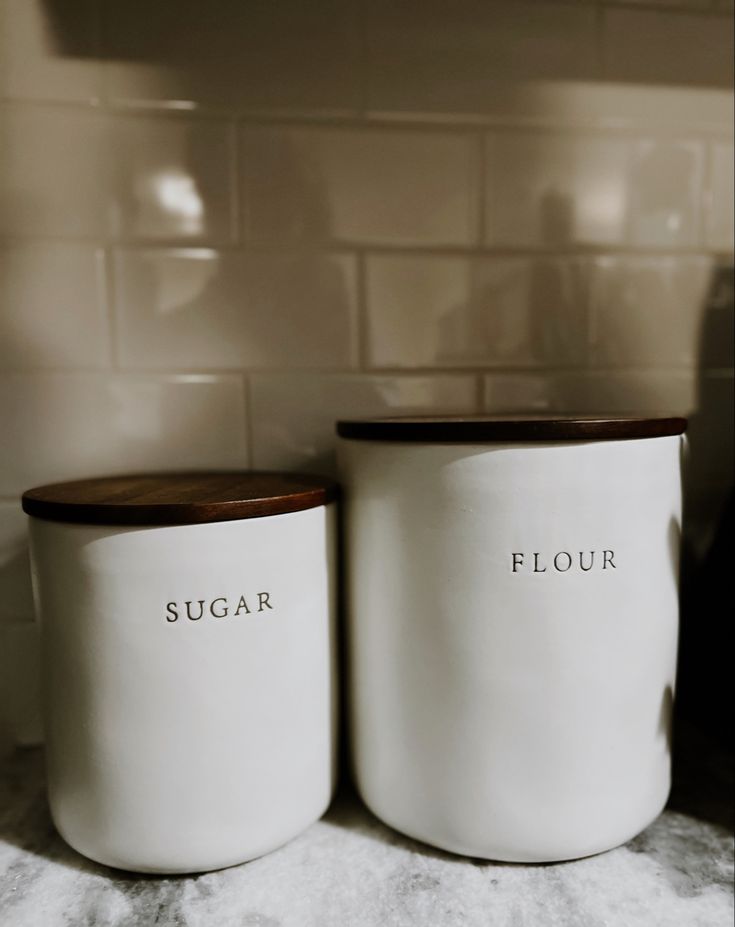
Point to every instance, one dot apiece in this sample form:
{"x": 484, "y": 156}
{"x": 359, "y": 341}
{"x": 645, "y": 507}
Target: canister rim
{"x": 150, "y": 499}
{"x": 491, "y": 428}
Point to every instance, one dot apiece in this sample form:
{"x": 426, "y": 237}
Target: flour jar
{"x": 188, "y": 663}
{"x": 512, "y": 618}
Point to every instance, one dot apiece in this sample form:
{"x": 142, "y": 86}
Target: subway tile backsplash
{"x": 224, "y": 225}
{"x": 66, "y": 425}
{"x": 293, "y": 416}
{"x": 53, "y": 306}
{"x": 546, "y": 189}
{"x": 481, "y": 311}
{"x": 203, "y": 308}
{"x": 319, "y": 185}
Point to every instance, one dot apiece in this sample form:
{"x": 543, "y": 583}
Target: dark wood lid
{"x": 178, "y": 498}
{"x": 489, "y": 428}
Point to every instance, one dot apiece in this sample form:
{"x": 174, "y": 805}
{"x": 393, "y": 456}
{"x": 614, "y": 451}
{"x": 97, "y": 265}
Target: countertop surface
{"x": 348, "y": 870}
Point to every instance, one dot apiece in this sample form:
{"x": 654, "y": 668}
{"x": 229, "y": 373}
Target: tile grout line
{"x": 409, "y": 121}
{"x": 531, "y": 252}
{"x": 248, "y": 423}
{"x": 112, "y": 309}
{"x": 362, "y": 327}
{"x": 706, "y": 199}
{"x": 482, "y": 189}
{"x": 480, "y": 392}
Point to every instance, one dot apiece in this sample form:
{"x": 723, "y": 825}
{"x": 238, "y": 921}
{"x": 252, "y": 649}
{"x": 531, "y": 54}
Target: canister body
{"x": 513, "y": 618}
{"x": 188, "y": 685}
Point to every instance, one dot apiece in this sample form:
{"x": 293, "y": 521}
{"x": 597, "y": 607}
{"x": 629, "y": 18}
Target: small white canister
{"x": 188, "y": 663}
{"x": 513, "y": 618}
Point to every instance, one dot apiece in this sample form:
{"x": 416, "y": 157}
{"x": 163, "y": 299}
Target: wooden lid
{"x": 489, "y": 428}
{"x": 178, "y": 498}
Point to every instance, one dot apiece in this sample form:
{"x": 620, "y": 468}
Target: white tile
{"x": 384, "y": 186}
{"x": 413, "y": 303}
{"x": 649, "y": 312}
{"x": 16, "y": 596}
{"x": 47, "y": 57}
{"x": 517, "y": 393}
{"x": 584, "y": 106}
{"x": 634, "y": 392}
{"x": 446, "y": 56}
{"x": 453, "y": 311}
{"x": 52, "y": 306}
{"x": 54, "y": 177}
{"x": 63, "y": 426}
{"x": 73, "y": 172}
{"x": 203, "y": 308}
{"x": 555, "y": 190}
{"x": 294, "y": 416}
{"x": 651, "y": 46}
{"x": 665, "y": 192}
{"x": 719, "y": 210}
{"x": 171, "y": 178}
{"x": 288, "y": 54}
{"x": 20, "y": 684}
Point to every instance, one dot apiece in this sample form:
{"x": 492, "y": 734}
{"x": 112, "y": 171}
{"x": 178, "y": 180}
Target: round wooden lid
{"x": 489, "y": 428}
{"x": 178, "y": 498}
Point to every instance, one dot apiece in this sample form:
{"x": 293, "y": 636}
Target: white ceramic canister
{"x": 187, "y": 653}
{"x": 513, "y": 617}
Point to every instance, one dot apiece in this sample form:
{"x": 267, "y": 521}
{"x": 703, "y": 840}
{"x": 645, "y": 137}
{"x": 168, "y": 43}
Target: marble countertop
{"x": 348, "y": 870}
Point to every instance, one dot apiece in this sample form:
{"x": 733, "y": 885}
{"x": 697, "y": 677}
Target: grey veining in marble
{"x": 348, "y": 870}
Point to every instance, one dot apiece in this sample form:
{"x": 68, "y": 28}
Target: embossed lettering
{"x": 218, "y": 607}
{"x": 189, "y": 614}
{"x": 582, "y": 567}
{"x": 563, "y": 561}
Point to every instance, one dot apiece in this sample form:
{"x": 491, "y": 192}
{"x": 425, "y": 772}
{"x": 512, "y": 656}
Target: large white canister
{"x": 187, "y": 652}
{"x": 512, "y": 617}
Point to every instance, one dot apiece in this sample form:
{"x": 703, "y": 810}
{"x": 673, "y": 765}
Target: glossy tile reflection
{"x": 665, "y": 190}
{"x": 294, "y": 416}
{"x": 317, "y": 185}
{"x": 451, "y": 311}
{"x": 171, "y": 179}
{"x": 64, "y": 426}
{"x": 205, "y": 308}
{"x": 719, "y": 208}
{"x": 53, "y": 306}
{"x": 649, "y": 311}
{"x": 127, "y": 177}
{"x": 556, "y": 190}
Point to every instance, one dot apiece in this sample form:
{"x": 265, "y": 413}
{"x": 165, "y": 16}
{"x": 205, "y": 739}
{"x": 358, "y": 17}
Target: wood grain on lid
{"x": 178, "y": 498}
{"x": 461, "y": 429}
